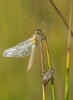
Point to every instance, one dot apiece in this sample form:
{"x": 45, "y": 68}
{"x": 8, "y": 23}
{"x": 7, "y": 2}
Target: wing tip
{"x": 5, "y": 53}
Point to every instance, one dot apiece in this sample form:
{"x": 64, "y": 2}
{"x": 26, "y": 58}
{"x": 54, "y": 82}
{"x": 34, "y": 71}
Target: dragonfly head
{"x": 37, "y": 31}
{"x": 37, "y": 36}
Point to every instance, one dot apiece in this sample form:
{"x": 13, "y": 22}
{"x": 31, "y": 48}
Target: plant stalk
{"x": 68, "y": 57}
{"x": 49, "y": 65}
{"x": 60, "y": 14}
{"x": 42, "y": 64}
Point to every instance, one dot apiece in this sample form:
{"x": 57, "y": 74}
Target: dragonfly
{"x": 24, "y": 48}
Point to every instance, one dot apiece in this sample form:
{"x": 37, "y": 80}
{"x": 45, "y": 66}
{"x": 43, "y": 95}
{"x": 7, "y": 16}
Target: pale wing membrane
{"x": 31, "y": 58}
{"x": 20, "y": 50}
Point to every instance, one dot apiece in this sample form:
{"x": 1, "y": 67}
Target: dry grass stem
{"x": 42, "y": 64}
{"x": 68, "y": 57}
{"x": 60, "y": 14}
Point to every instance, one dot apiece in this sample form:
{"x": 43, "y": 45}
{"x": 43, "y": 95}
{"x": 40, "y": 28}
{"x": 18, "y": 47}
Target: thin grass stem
{"x": 42, "y": 64}
{"x": 68, "y": 57}
{"x": 60, "y": 14}
{"x": 49, "y": 65}
{"x": 44, "y": 95}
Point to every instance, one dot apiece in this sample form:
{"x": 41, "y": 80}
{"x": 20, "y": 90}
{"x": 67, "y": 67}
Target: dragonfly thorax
{"x": 35, "y": 39}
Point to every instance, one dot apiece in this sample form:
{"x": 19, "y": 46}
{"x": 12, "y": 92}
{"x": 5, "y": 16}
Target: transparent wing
{"x": 20, "y": 50}
{"x": 31, "y": 58}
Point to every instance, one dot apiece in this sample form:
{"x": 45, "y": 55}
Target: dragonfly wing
{"x": 31, "y": 57}
{"x": 20, "y": 50}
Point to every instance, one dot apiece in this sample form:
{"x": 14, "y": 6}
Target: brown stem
{"x": 42, "y": 56}
{"x": 42, "y": 64}
{"x": 61, "y": 16}
{"x": 70, "y": 26}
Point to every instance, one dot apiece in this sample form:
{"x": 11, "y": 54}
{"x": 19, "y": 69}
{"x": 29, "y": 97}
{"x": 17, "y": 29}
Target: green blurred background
{"x": 18, "y": 21}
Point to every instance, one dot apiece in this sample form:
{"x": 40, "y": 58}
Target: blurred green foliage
{"x": 18, "y": 21}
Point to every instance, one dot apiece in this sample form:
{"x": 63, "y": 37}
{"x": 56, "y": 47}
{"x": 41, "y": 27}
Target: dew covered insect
{"x": 24, "y": 48}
